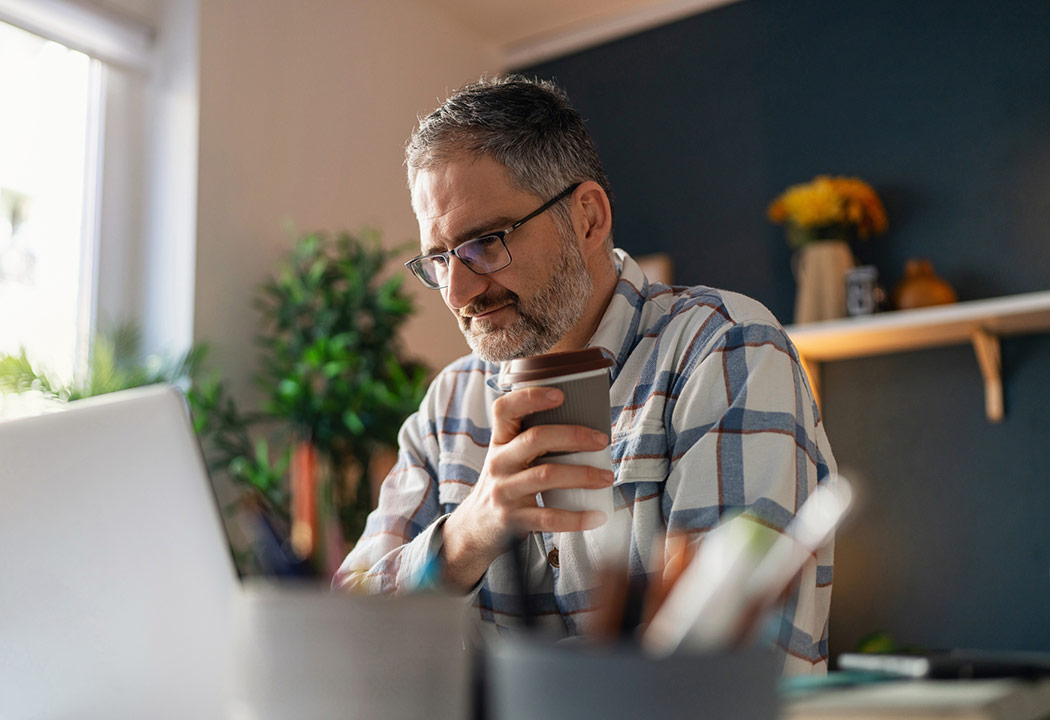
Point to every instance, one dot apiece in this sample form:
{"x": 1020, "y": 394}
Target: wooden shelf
{"x": 980, "y": 322}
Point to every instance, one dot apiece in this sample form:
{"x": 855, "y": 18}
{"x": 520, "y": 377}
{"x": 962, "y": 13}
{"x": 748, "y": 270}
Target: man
{"x": 711, "y": 412}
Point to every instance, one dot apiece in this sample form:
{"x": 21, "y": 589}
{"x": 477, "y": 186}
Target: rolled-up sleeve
{"x": 404, "y": 532}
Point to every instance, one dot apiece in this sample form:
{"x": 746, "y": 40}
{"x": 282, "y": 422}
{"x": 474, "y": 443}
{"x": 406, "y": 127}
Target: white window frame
{"x": 107, "y": 36}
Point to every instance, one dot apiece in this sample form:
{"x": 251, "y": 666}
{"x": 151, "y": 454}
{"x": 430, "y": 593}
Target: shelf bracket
{"x": 812, "y": 370}
{"x": 989, "y": 358}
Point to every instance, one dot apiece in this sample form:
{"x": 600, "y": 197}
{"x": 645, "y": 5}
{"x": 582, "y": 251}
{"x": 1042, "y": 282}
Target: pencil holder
{"x": 528, "y": 680}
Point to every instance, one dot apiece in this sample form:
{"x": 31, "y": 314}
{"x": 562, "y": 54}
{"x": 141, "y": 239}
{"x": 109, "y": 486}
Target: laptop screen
{"x": 117, "y": 573}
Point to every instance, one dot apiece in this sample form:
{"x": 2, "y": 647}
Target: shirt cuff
{"x": 422, "y": 564}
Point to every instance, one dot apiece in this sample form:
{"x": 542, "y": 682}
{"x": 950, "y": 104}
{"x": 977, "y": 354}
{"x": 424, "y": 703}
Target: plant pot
{"x": 316, "y": 535}
{"x": 304, "y": 499}
{"x": 820, "y": 275}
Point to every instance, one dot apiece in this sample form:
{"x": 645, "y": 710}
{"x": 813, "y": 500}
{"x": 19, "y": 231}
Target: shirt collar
{"x": 617, "y": 332}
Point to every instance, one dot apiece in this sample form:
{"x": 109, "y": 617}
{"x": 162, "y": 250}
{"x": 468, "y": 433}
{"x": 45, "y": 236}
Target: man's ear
{"x": 593, "y": 220}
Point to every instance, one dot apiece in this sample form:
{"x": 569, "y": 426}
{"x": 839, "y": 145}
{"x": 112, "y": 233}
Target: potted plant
{"x": 333, "y": 370}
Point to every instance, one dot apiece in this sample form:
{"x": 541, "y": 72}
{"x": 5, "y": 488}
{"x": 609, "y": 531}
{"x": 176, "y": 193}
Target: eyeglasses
{"x": 482, "y": 255}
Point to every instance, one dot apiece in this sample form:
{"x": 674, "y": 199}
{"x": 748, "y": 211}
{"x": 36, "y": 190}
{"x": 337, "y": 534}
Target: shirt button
{"x": 552, "y": 557}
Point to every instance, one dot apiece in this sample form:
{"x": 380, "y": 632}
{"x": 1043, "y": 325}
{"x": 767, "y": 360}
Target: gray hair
{"x": 527, "y": 125}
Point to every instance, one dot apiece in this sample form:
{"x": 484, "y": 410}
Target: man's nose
{"x": 463, "y": 284}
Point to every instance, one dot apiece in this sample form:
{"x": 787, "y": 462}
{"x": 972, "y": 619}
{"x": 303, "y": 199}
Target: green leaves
{"x": 116, "y": 363}
{"x": 260, "y": 472}
{"x": 18, "y": 374}
{"x": 329, "y": 337}
{"x": 354, "y": 423}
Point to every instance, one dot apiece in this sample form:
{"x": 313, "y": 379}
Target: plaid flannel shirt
{"x": 711, "y": 414}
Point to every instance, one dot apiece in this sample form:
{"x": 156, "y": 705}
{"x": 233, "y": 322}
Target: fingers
{"x": 537, "y": 519}
{"x": 503, "y": 499}
{"x": 542, "y": 439}
{"x": 553, "y": 476}
{"x": 513, "y": 453}
{"x": 509, "y": 409}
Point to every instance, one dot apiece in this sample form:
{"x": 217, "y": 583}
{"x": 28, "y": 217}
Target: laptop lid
{"x": 116, "y": 577}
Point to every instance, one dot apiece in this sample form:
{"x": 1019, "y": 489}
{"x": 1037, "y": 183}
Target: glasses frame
{"x": 415, "y": 264}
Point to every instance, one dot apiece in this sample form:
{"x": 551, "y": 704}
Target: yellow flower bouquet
{"x": 829, "y": 208}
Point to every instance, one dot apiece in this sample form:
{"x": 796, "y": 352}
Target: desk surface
{"x": 1005, "y": 699}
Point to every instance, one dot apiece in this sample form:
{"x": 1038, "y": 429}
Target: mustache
{"x": 485, "y": 304}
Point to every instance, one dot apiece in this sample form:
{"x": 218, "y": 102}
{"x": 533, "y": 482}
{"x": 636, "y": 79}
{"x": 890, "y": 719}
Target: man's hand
{"x": 504, "y": 499}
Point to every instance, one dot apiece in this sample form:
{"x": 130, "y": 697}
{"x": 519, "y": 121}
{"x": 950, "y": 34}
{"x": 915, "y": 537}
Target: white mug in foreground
{"x": 305, "y": 652}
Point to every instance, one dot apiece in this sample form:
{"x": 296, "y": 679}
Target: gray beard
{"x": 542, "y": 320}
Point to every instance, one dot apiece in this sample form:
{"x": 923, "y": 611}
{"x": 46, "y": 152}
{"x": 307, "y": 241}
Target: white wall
{"x": 304, "y": 110}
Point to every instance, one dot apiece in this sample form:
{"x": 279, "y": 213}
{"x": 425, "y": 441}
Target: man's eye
{"x": 487, "y": 240}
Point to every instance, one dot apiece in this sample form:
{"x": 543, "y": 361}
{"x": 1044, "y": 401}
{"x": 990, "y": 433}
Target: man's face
{"x": 526, "y": 308}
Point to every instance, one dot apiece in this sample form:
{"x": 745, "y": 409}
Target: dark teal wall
{"x": 944, "y": 107}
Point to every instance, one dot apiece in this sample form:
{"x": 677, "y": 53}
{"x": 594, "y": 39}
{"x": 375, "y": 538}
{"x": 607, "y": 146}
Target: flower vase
{"x": 821, "y": 267}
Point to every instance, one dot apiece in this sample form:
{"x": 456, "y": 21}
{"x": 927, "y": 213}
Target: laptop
{"x": 119, "y": 597}
{"x": 116, "y": 576}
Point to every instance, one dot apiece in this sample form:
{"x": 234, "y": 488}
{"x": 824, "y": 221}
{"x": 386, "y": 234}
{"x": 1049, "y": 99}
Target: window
{"x": 49, "y": 147}
{"x": 85, "y": 100}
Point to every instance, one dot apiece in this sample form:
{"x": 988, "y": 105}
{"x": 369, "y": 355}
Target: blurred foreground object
{"x": 305, "y": 652}
{"x": 742, "y": 570}
{"x": 567, "y": 681}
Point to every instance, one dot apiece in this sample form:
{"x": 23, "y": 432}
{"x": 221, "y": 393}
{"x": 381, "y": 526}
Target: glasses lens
{"x": 433, "y": 270}
{"x": 484, "y": 254}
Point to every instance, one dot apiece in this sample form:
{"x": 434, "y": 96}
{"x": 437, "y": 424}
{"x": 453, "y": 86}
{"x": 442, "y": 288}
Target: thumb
{"x": 509, "y": 410}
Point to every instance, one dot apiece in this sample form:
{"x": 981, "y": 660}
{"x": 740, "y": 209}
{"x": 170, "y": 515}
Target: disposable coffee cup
{"x": 583, "y": 377}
